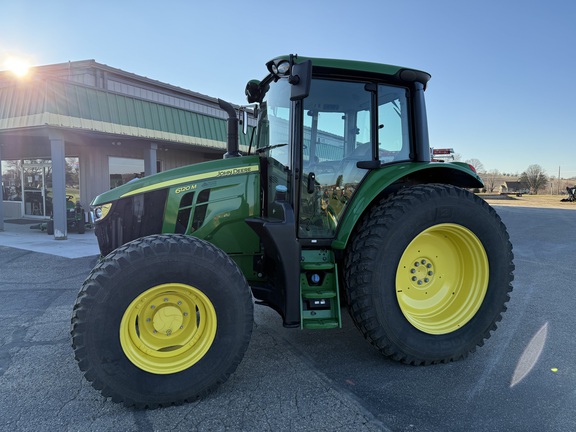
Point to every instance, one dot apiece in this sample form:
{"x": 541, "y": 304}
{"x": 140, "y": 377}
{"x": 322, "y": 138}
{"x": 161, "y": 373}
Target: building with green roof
{"x": 77, "y": 129}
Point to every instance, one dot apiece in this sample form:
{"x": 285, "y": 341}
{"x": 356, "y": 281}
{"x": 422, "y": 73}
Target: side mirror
{"x": 244, "y": 114}
{"x": 244, "y": 121}
{"x": 252, "y": 91}
{"x": 300, "y": 79}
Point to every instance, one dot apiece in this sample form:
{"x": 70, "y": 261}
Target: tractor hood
{"x": 209, "y": 200}
{"x": 187, "y": 176}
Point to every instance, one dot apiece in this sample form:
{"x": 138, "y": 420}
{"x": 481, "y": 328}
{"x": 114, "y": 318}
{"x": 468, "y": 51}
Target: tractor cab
{"x": 322, "y": 134}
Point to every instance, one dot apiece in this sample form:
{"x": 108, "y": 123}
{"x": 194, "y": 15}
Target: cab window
{"x": 337, "y": 126}
{"x": 393, "y": 130}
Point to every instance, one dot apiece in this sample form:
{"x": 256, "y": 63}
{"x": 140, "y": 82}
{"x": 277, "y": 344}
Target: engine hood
{"x": 184, "y": 175}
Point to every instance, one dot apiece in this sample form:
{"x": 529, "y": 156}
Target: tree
{"x": 491, "y": 179}
{"x": 478, "y": 166}
{"x": 72, "y": 172}
{"x": 535, "y": 176}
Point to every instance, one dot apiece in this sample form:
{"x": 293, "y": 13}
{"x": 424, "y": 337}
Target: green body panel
{"x": 232, "y": 199}
{"x": 183, "y": 176}
{"x": 378, "y": 180}
{"x": 232, "y": 194}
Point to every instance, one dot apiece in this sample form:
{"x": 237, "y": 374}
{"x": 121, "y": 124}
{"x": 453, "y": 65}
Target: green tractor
{"x": 75, "y": 217}
{"x": 336, "y": 203}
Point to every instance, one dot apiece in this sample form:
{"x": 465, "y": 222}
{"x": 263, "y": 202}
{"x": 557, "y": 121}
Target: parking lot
{"x": 523, "y": 379}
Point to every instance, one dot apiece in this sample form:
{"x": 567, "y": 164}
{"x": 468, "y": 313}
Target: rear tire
{"x": 161, "y": 320}
{"x": 428, "y": 274}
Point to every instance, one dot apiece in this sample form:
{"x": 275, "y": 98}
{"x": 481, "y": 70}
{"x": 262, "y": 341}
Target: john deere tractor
{"x": 335, "y": 204}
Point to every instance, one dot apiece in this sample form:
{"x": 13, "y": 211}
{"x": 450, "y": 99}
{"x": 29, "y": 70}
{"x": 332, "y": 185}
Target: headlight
{"x": 100, "y": 212}
{"x": 279, "y": 67}
{"x": 283, "y": 68}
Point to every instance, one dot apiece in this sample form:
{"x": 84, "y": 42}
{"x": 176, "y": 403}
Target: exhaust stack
{"x": 232, "y": 142}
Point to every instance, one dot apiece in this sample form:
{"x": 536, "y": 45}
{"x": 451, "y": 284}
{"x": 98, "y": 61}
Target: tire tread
{"x": 134, "y": 252}
{"x": 362, "y": 251}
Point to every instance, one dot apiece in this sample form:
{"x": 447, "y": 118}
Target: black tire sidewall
{"x": 400, "y": 228}
{"x": 144, "y": 272}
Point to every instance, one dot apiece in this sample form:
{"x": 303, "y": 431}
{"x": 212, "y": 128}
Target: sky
{"x": 501, "y": 90}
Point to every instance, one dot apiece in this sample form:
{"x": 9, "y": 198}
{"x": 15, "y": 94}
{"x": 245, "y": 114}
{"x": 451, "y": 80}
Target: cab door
{"x": 346, "y": 123}
{"x": 337, "y": 134}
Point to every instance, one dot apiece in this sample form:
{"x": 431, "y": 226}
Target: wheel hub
{"x": 167, "y": 320}
{"x": 168, "y": 328}
{"x": 442, "y": 278}
{"x": 422, "y": 273}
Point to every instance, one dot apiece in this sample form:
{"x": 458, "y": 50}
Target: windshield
{"x": 273, "y": 122}
{"x": 272, "y": 141}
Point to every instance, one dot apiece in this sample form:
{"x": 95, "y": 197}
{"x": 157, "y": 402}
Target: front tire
{"x": 161, "y": 320}
{"x": 428, "y": 274}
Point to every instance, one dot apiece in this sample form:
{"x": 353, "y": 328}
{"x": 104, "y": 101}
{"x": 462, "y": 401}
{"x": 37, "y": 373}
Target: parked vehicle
{"x": 76, "y": 219}
{"x": 335, "y": 203}
{"x": 571, "y": 191}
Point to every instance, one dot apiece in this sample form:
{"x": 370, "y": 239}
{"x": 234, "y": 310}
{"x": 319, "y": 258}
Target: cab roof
{"x": 399, "y": 72}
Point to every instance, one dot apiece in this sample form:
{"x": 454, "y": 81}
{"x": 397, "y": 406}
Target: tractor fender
{"x": 384, "y": 181}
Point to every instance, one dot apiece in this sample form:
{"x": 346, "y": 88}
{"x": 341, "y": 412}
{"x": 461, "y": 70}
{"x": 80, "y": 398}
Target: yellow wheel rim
{"x": 168, "y": 328}
{"x": 442, "y": 278}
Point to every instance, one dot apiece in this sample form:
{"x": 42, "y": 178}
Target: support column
{"x": 1, "y": 194}
{"x": 57, "y": 153}
{"x": 150, "y": 160}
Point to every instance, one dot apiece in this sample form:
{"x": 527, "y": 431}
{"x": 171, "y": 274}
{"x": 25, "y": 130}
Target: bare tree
{"x": 491, "y": 179}
{"x": 535, "y": 176}
{"x": 478, "y": 166}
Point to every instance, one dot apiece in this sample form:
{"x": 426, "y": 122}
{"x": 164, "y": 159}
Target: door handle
{"x": 311, "y": 183}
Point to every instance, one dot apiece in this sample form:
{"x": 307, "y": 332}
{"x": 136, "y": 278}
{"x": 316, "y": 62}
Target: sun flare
{"x": 19, "y": 67}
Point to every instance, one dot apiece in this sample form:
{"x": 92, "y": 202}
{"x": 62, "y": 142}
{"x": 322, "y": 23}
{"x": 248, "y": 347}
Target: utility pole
{"x": 558, "y": 191}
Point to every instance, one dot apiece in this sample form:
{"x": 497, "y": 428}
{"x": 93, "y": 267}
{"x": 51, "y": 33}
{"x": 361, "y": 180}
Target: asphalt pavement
{"x": 522, "y": 379}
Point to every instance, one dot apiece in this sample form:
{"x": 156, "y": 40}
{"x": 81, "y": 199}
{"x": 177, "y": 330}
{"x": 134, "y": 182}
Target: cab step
{"x": 319, "y": 292}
